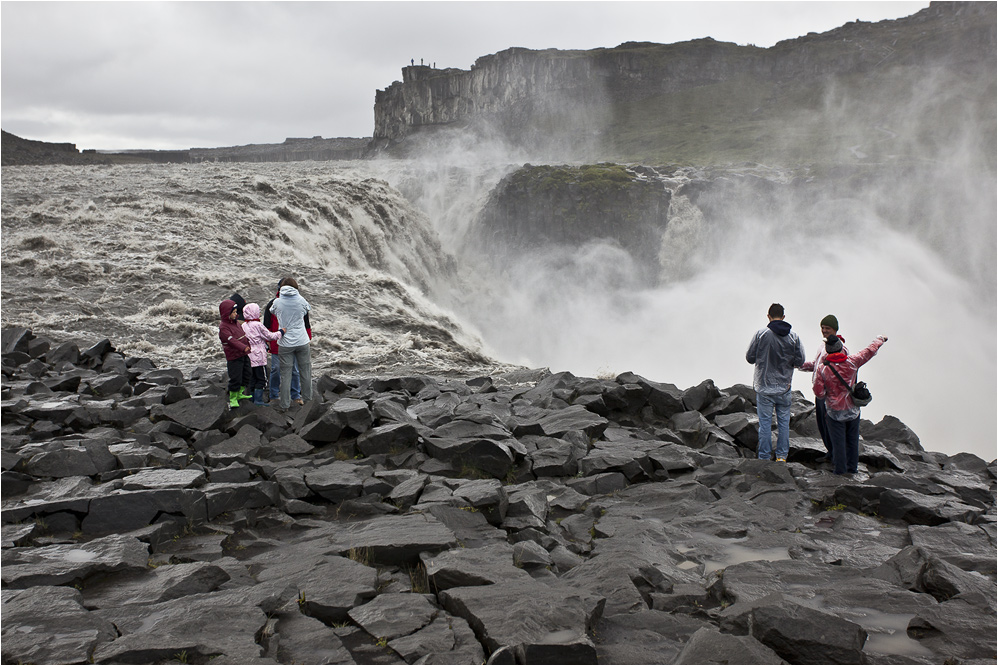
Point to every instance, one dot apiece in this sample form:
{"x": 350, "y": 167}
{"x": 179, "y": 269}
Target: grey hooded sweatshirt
{"x": 775, "y": 351}
{"x": 290, "y": 309}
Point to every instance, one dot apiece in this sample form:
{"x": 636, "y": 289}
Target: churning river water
{"x": 143, "y": 254}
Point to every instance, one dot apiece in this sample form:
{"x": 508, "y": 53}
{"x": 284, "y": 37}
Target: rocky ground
{"x": 524, "y": 518}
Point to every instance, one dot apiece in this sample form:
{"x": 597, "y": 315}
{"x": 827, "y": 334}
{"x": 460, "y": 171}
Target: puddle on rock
{"x": 888, "y": 633}
{"x": 736, "y": 554}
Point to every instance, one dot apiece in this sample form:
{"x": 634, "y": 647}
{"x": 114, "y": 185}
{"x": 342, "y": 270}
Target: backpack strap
{"x": 832, "y": 367}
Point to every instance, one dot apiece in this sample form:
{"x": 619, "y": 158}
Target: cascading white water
{"x": 584, "y": 310}
{"x": 143, "y": 255}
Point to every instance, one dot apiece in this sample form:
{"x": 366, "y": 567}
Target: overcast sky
{"x": 176, "y": 75}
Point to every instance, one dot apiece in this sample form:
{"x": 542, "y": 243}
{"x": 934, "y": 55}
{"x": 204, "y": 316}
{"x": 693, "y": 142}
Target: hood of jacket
{"x": 251, "y": 312}
{"x": 780, "y": 327}
{"x": 288, "y": 292}
{"x": 226, "y": 307}
{"x": 837, "y": 357}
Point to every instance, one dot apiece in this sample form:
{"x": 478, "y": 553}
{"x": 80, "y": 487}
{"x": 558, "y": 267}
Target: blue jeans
{"x": 302, "y": 357}
{"x": 764, "y": 408}
{"x": 275, "y": 379}
{"x": 845, "y": 444}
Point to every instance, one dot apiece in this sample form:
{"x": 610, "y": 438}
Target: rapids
{"x": 143, "y": 255}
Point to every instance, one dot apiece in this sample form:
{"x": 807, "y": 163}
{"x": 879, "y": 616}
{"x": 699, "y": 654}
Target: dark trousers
{"x": 820, "y": 414}
{"x": 259, "y": 378}
{"x": 240, "y": 372}
{"x": 845, "y": 444}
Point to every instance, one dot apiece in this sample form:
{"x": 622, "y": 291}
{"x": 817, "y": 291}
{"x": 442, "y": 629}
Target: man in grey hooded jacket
{"x": 775, "y": 351}
{"x": 290, "y": 309}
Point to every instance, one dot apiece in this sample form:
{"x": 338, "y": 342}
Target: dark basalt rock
{"x": 402, "y": 520}
{"x": 79, "y": 630}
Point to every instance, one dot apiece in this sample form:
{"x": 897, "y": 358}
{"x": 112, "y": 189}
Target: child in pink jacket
{"x": 257, "y": 336}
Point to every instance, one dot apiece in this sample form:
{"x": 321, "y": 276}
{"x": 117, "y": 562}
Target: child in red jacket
{"x": 833, "y": 383}
{"x": 237, "y": 349}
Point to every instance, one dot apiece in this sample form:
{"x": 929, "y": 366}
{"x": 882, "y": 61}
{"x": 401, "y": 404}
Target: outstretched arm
{"x": 871, "y": 350}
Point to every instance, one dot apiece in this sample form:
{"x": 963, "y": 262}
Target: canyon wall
{"x": 523, "y": 93}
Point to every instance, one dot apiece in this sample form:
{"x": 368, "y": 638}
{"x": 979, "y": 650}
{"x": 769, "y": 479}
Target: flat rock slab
{"x": 70, "y": 494}
{"x": 67, "y": 461}
{"x": 391, "y": 539}
{"x": 285, "y": 448}
{"x": 648, "y": 637}
{"x": 200, "y": 627}
{"x": 245, "y": 444}
{"x": 328, "y": 586}
{"x": 464, "y": 567}
{"x": 387, "y": 439}
{"x": 305, "y": 640}
{"x": 576, "y": 417}
{"x": 199, "y": 413}
{"x": 124, "y": 510}
{"x": 446, "y": 640}
{"x": 393, "y": 615}
{"x": 969, "y": 547}
{"x": 50, "y": 625}
{"x": 709, "y": 646}
{"x": 540, "y": 621}
{"x": 959, "y": 628}
{"x": 163, "y": 583}
{"x": 488, "y": 455}
{"x": 65, "y": 564}
{"x": 155, "y": 479}
{"x": 338, "y": 481}
{"x": 802, "y": 635}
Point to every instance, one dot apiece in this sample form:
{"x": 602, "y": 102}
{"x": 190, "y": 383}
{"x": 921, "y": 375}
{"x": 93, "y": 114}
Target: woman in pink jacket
{"x": 257, "y": 335}
{"x": 841, "y": 413}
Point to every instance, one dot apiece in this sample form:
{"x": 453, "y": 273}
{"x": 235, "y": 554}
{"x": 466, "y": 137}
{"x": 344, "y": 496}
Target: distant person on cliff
{"x": 237, "y": 349}
{"x": 258, "y": 336}
{"x": 775, "y": 351}
{"x": 291, "y": 309}
{"x": 829, "y": 327}
{"x": 833, "y": 383}
{"x": 270, "y": 322}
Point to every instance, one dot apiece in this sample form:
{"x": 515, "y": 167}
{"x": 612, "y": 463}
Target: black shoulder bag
{"x": 859, "y": 393}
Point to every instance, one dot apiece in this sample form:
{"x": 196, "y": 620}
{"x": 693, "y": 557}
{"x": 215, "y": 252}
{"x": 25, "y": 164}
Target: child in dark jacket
{"x": 237, "y": 349}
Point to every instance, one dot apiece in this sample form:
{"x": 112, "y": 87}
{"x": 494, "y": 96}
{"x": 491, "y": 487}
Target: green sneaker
{"x": 233, "y": 399}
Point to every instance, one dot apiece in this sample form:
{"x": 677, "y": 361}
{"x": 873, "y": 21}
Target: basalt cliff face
{"x": 595, "y": 99}
{"x": 537, "y": 207}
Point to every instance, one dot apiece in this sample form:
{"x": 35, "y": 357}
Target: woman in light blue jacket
{"x": 290, "y": 309}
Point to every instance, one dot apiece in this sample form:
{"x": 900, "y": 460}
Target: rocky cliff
{"x": 292, "y": 150}
{"x": 18, "y": 151}
{"x": 597, "y": 97}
